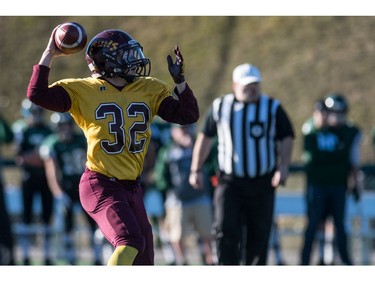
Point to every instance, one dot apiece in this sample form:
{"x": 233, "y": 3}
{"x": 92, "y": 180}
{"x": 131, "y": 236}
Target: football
{"x": 70, "y": 37}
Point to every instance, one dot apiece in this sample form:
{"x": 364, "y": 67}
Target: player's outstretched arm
{"x": 38, "y": 92}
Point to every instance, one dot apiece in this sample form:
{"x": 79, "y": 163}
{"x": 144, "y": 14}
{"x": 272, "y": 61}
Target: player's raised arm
{"x": 185, "y": 110}
{"x": 176, "y": 69}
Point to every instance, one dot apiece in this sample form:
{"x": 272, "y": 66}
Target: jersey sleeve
{"x": 355, "y": 150}
{"x": 284, "y": 127}
{"x": 209, "y": 126}
{"x": 46, "y": 150}
{"x": 6, "y": 133}
{"x": 181, "y": 110}
{"x": 38, "y": 91}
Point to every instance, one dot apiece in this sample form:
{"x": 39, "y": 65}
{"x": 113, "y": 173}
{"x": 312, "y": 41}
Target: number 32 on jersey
{"x": 139, "y": 116}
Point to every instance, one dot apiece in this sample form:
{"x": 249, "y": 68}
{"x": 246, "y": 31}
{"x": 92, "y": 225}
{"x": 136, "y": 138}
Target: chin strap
{"x": 129, "y": 79}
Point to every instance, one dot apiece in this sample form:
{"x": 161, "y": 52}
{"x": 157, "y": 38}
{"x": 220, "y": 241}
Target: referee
{"x": 255, "y": 140}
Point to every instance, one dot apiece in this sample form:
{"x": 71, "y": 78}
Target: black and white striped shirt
{"x": 247, "y": 134}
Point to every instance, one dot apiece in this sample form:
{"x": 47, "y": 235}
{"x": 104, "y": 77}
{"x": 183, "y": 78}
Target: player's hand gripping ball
{"x": 70, "y": 37}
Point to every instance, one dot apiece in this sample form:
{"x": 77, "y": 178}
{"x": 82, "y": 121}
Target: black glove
{"x": 356, "y": 194}
{"x": 176, "y": 69}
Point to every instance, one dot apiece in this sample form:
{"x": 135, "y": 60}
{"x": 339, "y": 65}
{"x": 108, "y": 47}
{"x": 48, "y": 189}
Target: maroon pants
{"x": 118, "y": 209}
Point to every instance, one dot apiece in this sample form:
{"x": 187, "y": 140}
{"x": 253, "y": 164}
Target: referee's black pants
{"x": 243, "y": 204}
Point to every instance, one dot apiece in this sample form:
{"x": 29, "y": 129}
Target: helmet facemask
{"x": 131, "y": 63}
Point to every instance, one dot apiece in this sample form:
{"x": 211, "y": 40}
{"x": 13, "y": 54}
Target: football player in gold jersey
{"x": 115, "y": 108}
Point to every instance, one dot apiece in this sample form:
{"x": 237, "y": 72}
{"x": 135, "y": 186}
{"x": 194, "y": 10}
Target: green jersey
{"x": 330, "y": 154}
{"x": 69, "y": 155}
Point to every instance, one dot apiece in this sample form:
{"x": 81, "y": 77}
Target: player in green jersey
{"x": 332, "y": 155}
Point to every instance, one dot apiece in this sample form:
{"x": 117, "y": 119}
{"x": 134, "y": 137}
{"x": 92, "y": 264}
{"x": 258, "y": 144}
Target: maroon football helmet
{"x": 114, "y": 53}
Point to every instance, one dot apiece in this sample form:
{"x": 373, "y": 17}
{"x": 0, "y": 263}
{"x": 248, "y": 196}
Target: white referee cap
{"x": 246, "y": 74}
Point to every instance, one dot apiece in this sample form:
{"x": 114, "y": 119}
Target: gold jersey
{"x": 116, "y": 123}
